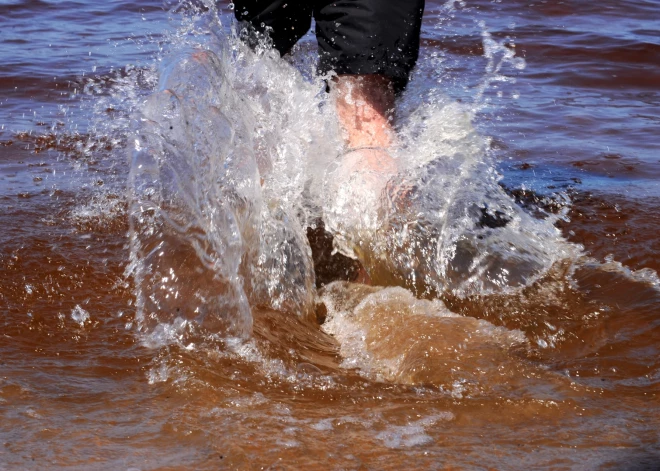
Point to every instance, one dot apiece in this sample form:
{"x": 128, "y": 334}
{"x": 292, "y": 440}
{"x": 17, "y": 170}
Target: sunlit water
{"x": 170, "y": 298}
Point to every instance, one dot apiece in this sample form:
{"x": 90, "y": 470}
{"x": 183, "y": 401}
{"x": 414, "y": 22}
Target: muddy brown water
{"x": 576, "y": 386}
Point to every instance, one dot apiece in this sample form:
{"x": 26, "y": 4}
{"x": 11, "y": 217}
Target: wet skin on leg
{"x": 365, "y": 109}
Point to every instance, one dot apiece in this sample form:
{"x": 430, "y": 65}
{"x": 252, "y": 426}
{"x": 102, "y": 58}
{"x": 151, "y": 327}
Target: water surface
{"x": 170, "y": 300}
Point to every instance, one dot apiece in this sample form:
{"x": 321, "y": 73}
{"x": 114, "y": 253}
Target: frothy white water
{"x": 237, "y": 152}
{"x": 219, "y": 173}
{"x": 443, "y": 223}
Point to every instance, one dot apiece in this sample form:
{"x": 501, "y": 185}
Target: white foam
{"x": 79, "y": 315}
{"x": 158, "y": 374}
{"x": 413, "y": 433}
{"x": 102, "y": 209}
{"x": 323, "y": 425}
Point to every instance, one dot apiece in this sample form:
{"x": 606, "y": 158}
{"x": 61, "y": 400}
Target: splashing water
{"x": 218, "y": 212}
{"x": 237, "y": 152}
{"x": 480, "y": 326}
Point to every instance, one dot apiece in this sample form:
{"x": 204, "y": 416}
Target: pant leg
{"x": 369, "y": 37}
{"x": 286, "y": 20}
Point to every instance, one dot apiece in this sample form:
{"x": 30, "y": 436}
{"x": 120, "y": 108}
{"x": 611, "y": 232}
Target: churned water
{"x": 196, "y": 275}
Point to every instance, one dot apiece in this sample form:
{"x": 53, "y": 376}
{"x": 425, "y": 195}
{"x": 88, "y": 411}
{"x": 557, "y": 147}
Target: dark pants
{"x": 354, "y": 36}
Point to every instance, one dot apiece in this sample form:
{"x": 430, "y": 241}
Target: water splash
{"x": 499, "y": 55}
{"x": 236, "y": 152}
{"x": 79, "y": 315}
{"x": 217, "y": 177}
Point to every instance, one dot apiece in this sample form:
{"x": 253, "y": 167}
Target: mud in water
{"x": 186, "y": 281}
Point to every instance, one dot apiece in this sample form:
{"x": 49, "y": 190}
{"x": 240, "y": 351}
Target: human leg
{"x": 372, "y": 46}
{"x": 364, "y": 37}
{"x": 364, "y": 106}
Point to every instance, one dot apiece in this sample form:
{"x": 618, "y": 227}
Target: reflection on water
{"x": 270, "y": 307}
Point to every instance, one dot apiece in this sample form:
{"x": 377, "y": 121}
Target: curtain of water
{"x": 237, "y": 152}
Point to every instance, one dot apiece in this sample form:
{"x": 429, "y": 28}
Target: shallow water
{"x": 170, "y": 299}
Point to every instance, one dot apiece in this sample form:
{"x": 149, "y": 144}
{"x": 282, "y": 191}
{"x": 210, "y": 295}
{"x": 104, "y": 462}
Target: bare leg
{"x": 365, "y": 107}
{"x": 365, "y": 104}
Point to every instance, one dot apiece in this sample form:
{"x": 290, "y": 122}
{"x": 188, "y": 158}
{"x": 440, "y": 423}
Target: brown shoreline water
{"x": 84, "y": 398}
{"x": 80, "y": 390}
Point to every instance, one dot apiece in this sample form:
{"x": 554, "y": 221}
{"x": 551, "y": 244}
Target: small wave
{"x": 389, "y": 335}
